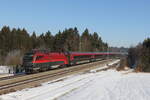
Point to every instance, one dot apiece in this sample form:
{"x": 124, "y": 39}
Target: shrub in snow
{"x": 123, "y": 65}
{"x": 13, "y": 58}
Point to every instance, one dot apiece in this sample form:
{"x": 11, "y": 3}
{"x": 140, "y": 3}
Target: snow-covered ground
{"x": 6, "y": 70}
{"x": 104, "y": 85}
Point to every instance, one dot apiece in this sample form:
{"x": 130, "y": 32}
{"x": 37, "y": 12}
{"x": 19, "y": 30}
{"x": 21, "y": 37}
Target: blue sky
{"x": 118, "y": 22}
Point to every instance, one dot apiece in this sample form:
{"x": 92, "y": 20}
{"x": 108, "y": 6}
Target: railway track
{"x": 11, "y": 77}
{"x": 26, "y": 81}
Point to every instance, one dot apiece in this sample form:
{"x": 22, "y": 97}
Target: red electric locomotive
{"x": 42, "y": 60}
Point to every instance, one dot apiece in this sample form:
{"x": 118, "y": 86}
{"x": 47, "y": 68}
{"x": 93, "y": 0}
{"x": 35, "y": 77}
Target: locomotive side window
{"x": 38, "y": 57}
{"x": 28, "y": 57}
{"x": 82, "y": 57}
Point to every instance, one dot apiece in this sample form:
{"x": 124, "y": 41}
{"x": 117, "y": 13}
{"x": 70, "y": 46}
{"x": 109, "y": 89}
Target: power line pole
{"x": 108, "y": 52}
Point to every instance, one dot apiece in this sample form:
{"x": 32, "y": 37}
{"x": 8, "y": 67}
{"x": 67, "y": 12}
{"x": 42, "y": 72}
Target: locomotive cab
{"x": 37, "y": 61}
{"x": 27, "y": 61}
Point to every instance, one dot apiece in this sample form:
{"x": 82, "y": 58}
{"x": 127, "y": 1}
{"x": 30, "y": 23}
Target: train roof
{"x": 75, "y": 53}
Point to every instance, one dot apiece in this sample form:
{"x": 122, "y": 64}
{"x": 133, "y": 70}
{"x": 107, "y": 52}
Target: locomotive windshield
{"x": 28, "y": 57}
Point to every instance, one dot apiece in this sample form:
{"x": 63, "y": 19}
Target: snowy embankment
{"x": 6, "y": 70}
{"x": 104, "y": 85}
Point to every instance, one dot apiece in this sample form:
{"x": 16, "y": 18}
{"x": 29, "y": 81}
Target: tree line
{"x": 15, "y": 42}
{"x": 139, "y": 56}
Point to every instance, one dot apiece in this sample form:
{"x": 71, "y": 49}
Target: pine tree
{"x": 41, "y": 42}
{"x": 48, "y": 39}
{"x": 85, "y": 41}
{"x": 145, "y": 56}
{"x": 6, "y": 39}
{"x": 34, "y": 40}
{"x": 58, "y": 43}
{"x": 71, "y": 39}
{"x": 95, "y": 42}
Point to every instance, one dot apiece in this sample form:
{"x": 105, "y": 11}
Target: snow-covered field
{"x": 104, "y": 85}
